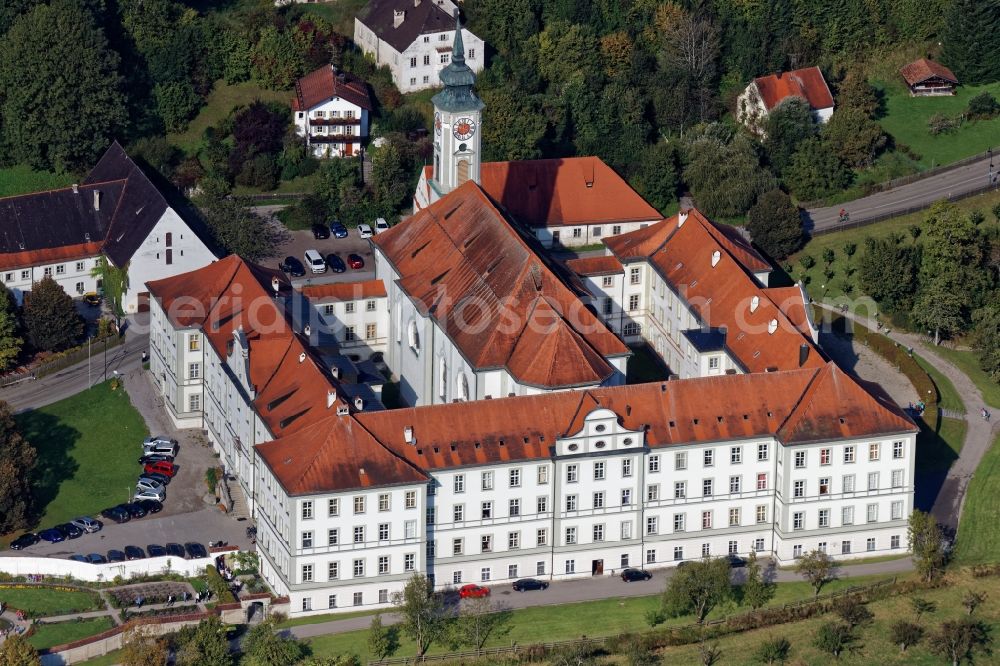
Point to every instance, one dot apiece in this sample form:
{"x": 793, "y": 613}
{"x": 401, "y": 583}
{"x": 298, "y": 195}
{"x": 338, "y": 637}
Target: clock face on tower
{"x": 437, "y": 123}
{"x": 464, "y": 128}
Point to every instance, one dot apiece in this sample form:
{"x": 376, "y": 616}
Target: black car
{"x": 117, "y": 513}
{"x": 135, "y": 509}
{"x": 175, "y": 550}
{"x": 79, "y": 558}
{"x": 335, "y": 263}
{"x": 161, "y": 479}
{"x": 116, "y": 556}
{"x": 70, "y": 531}
{"x": 155, "y": 457}
{"x": 195, "y": 550}
{"x": 338, "y": 229}
{"x": 292, "y": 267}
{"x": 735, "y": 561}
{"x": 155, "y": 550}
{"x": 134, "y": 553}
{"x": 96, "y": 558}
{"x": 23, "y": 541}
{"x": 320, "y": 231}
{"x": 632, "y": 575}
{"x": 529, "y": 584}
{"x": 151, "y": 506}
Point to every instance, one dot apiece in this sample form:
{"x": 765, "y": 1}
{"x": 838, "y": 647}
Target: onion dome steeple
{"x": 458, "y": 79}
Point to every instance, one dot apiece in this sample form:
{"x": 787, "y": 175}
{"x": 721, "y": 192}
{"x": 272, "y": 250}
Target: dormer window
{"x": 716, "y": 256}
{"x": 772, "y": 326}
{"x": 754, "y": 303}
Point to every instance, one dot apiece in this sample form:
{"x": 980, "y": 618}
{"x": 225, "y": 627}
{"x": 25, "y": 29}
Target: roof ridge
{"x": 800, "y": 401}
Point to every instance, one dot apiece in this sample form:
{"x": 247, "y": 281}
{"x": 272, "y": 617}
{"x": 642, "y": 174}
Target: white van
{"x": 381, "y": 225}
{"x": 314, "y": 260}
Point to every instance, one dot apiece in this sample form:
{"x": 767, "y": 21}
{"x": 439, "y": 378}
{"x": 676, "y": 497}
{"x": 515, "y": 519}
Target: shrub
{"x": 940, "y": 123}
{"x": 983, "y": 106}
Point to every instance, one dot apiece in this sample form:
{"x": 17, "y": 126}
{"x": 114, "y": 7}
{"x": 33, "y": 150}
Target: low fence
{"x": 62, "y": 361}
{"x": 872, "y": 219}
{"x": 736, "y": 623}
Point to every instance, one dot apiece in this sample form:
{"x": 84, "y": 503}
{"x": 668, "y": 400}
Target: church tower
{"x": 457, "y": 122}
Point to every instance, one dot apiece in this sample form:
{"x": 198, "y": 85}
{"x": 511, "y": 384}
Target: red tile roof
{"x": 721, "y": 295}
{"x": 233, "y": 297}
{"x": 790, "y": 301}
{"x": 466, "y": 266}
{"x": 607, "y": 265}
{"x": 565, "y": 191}
{"x": 344, "y": 291}
{"x": 919, "y": 71}
{"x": 326, "y": 83}
{"x": 807, "y": 83}
{"x": 13, "y": 260}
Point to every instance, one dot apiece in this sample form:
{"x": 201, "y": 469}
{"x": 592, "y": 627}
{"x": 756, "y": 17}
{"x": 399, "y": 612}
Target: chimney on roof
{"x": 331, "y": 397}
{"x": 97, "y": 200}
{"x": 803, "y": 354}
{"x": 682, "y": 216}
{"x": 408, "y": 434}
{"x": 359, "y": 404}
{"x": 76, "y": 188}
{"x": 342, "y": 410}
{"x": 397, "y": 17}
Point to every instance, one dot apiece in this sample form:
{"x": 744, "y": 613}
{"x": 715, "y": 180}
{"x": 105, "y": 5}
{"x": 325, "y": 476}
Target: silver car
{"x": 144, "y": 485}
{"x": 87, "y": 524}
{"x": 158, "y": 439}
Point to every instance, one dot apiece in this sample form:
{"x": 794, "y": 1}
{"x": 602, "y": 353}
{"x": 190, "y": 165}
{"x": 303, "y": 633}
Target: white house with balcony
{"x": 331, "y": 110}
{"x": 413, "y": 38}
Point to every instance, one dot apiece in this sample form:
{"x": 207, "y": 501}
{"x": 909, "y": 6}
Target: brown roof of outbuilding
{"x": 807, "y": 83}
{"x": 721, "y": 295}
{"x": 919, "y": 71}
{"x": 465, "y": 265}
{"x": 421, "y": 18}
{"x": 606, "y": 265}
{"x": 564, "y": 192}
{"x": 324, "y": 84}
{"x": 344, "y": 291}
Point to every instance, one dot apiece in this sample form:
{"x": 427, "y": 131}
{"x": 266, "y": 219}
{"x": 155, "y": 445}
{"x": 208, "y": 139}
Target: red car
{"x": 160, "y": 467}
{"x": 472, "y": 591}
{"x": 355, "y": 261}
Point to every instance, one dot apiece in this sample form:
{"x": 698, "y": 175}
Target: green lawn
{"x": 21, "y": 179}
{"x": 906, "y": 120}
{"x": 949, "y": 397}
{"x": 873, "y": 645}
{"x": 48, "y": 635}
{"x": 834, "y": 287}
{"x": 326, "y": 617}
{"x": 606, "y": 617}
{"x": 978, "y": 536}
{"x": 87, "y": 450}
{"x": 221, "y": 101}
{"x": 42, "y": 602}
{"x": 967, "y": 362}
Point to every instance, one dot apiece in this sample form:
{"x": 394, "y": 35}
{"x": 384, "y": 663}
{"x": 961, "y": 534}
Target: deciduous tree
{"x": 383, "y": 641}
{"x": 756, "y": 590}
{"x": 656, "y": 176}
{"x": 697, "y": 588}
{"x": 834, "y": 638}
{"x": 724, "y": 173}
{"x": 855, "y": 138}
{"x": 207, "y": 646}
{"x": 141, "y": 648}
{"x": 50, "y": 317}
{"x": 17, "y": 462}
{"x": 926, "y": 544}
{"x": 17, "y": 651}
{"x": 921, "y": 606}
{"x": 424, "y": 617}
{"x": 479, "y": 620}
{"x": 887, "y": 272}
{"x": 237, "y": 229}
{"x": 815, "y": 171}
{"x": 773, "y": 651}
{"x": 973, "y": 600}
{"x": 61, "y": 97}
{"x": 785, "y": 128}
{"x": 264, "y": 647}
{"x": 775, "y": 224}
{"x": 959, "y": 640}
{"x": 986, "y": 337}
{"x": 905, "y": 634}
{"x": 817, "y": 568}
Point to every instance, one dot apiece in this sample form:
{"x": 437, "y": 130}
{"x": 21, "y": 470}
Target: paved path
{"x": 915, "y": 195}
{"x": 947, "y": 507}
{"x": 593, "y": 589}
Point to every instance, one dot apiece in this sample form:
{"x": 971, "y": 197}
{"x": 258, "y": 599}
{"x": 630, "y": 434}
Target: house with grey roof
{"x": 414, "y": 38}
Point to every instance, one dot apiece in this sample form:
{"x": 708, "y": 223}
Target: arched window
{"x": 462, "y": 172}
{"x": 461, "y": 387}
{"x": 412, "y": 336}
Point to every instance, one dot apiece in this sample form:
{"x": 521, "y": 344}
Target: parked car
{"x": 529, "y": 584}
{"x": 473, "y": 591}
{"x": 151, "y": 506}
{"x": 23, "y": 541}
{"x": 175, "y": 550}
{"x": 335, "y": 263}
{"x": 117, "y": 514}
{"x": 155, "y": 457}
{"x": 79, "y": 558}
{"x": 116, "y": 556}
{"x": 314, "y": 260}
{"x": 160, "y": 467}
{"x": 87, "y": 524}
{"x": 365, "y": 230}
{"x": 381, "y": 225}
{"x": 338, "y": 229}
{"x": 632, "y": 575}
{"x": 161, "y": 479}
{"x": 160, "y": 447}
{"x": 135, "y": 510}
{"x": 134, "y": 553}
{"x": 735, "y": 561}
{"x": 158, "y": 439}
{"x": 320, "y": 231}
{"x": 52, "y": 535}
{"x": 150, "y": 482}
{"x": 96, "y": 558}
{"x": 149, "y": 496}
{"x": 292, "y": 267}
{"x": 92, "y": 298}
{"x": 70, "y": 531}
{"x": 355, "y": 261}
{"x": 195, "y": 550}
{"x": 155, "y": 550}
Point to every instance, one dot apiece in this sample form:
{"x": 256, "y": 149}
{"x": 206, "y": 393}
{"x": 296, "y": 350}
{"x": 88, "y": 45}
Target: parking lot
{"x": 300, "y": 241}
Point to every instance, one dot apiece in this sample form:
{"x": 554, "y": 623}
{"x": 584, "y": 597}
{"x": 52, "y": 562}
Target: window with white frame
{"x": 678, "y": 553}
{"x": 487, "y": 509}
{"x": 874, "y": 451}
{"x": 735, "y": 455}
{"x": 307, "y": 510}
{"x": 734, "y": 517}
{"x": 384, "y": 502}
{"x": 872, "y": 513}
{"x": 626, "y": 530}
{"x": 359, "y": 568}
{"x": 570, "y": 566}
{"x": 383, "y": 564}
{"x": 800, "y": 459}
{"x": 873, "y": 481}
{"x": 633, "y": 302}
{"x": 458, "y": 483}
{"x": 458, "y": 513}
{"x": 650, "y": 556}
{"x": 359, "y": 504}
{"x": 897, "y": 510}
{"x": 513, "y": 540}
{"x": 894, "y": 541}
{"x": 626, "y": 468}
{"x": 824, "y": 456}
{"x": 798, "y": 520}
{"x": 735, "y": 484}
{"x": 410, "y": 529}
{"x": 487, "y": 480}
{"x": 409, "y": 562}
{"x": 652, "y": 525}
{"x": 485, "y": 573}
{"x": 541, "y": 537}
{"x": 626, "y": 496}
{"x": 761, "y": 480}
{"x": 542, "y": 504}
{"x": 824, "y": 517}
{"x": 761, "y": 512}
{"x": 307, "y": 539}
{"x": 333, "y": 570}
{"x": 598, "y": 532}
{"x": 679, "y": 522}
{"x": 897, "y": 478}
{"x": 571, "y": 504}
{"x": 824, "y": 485}
{"x": 763, "y": 451}
{"x": 847, "y": 515}
{"x": 599, "y": 471}
{"x": 457, "y": 546}
{"x": 758, "y": 545}
{"x": 681, "y": 460}
{"x": 848, "y": 454}
{"x": 797, "y": 551}
{"x": 514, "y": 507}
{"x": 410, "y": 499}
{"x": 333, "y": 536}
{"x": 708, "y": 457}
{"x": 680, "y": 489}
{"x": 570, "y": 536}
{"x": 607, "y": 281}
{"x": 599, "y": 500}
{"x": 652, "y": 492}
{"x": 383, "y": 531}
{"x": 897, "y": 450}
{"x": 486, "y": 543}
{"x": 543, "y": 475}
{"x": 654, "y": 463}
{"x": 359, "y": 534}
{"x": 514, "y": 477}
{"x": 706, "y": 487}
{"x": 572, "y": 473}
{"x": 333, "y": 507}
{"x": 848, "y": 483}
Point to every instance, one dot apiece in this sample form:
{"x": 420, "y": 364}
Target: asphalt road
{"x": 919, "y": 194}
{"x": 592, "y": 589}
